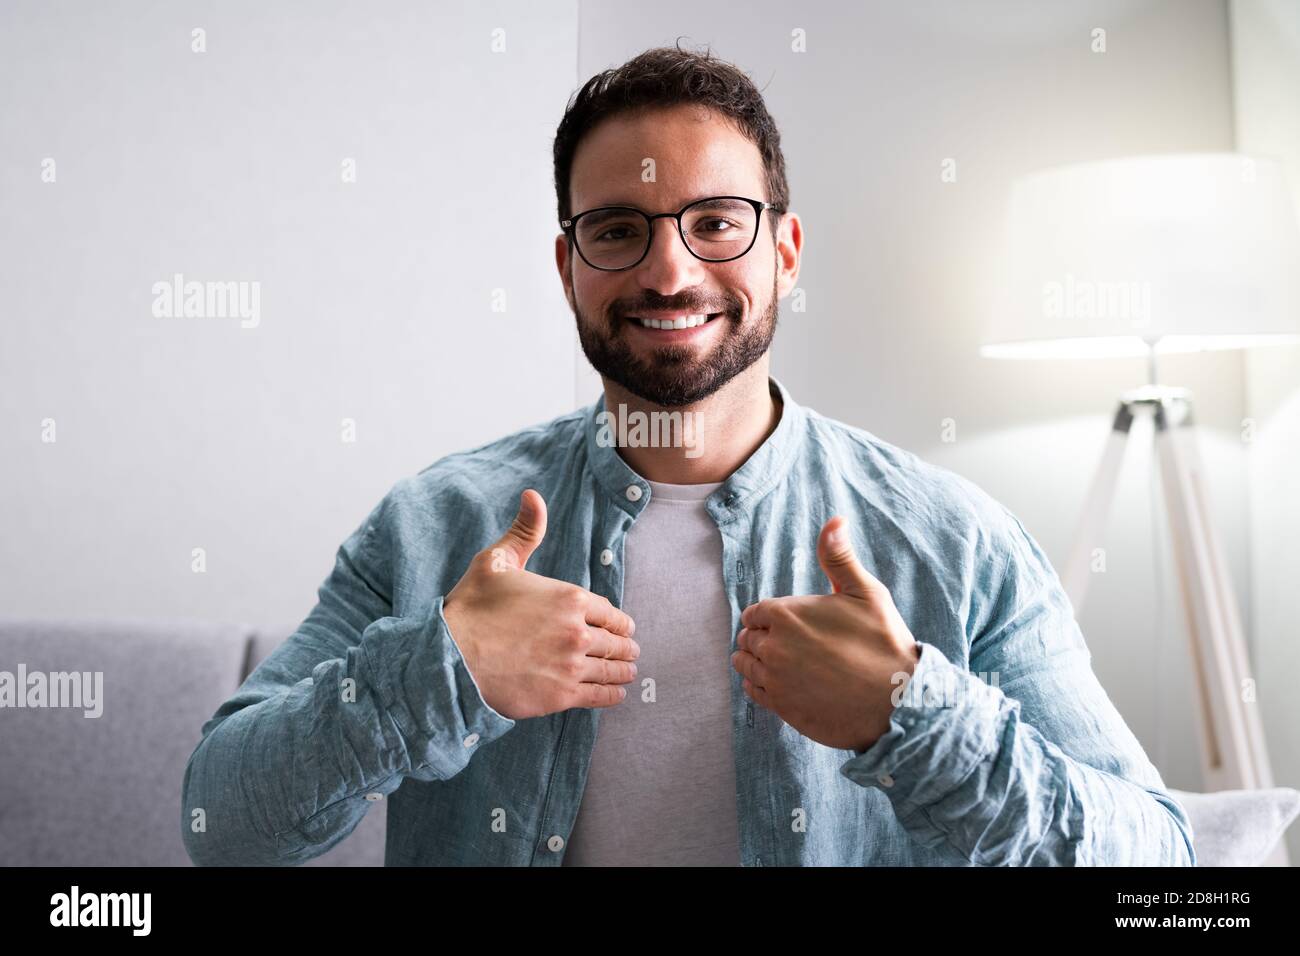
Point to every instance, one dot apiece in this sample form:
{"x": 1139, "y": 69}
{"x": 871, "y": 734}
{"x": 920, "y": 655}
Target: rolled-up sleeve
{"x": 1022, "y": 759}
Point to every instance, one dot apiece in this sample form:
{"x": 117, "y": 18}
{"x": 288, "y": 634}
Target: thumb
{"x": 835, "y": 554}
{"x": 524, "y": 534}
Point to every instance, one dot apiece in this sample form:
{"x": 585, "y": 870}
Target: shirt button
{"x": 555, "y": 843}
{"x": 372, "y": 797}
{"x": 633, "y": 492}
{"x": 471, "y": 740}
{"x": 607, "y": 557}
{"x": 886, "y": 780}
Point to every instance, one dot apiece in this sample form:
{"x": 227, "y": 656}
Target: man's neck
{"x": 721, "y": 431}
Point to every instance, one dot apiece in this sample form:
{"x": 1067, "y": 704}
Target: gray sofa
{"x": 106, "y": 791}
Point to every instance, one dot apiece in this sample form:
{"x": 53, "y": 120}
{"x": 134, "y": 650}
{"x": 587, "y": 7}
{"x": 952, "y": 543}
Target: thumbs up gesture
{"x": 535, "y": 645}
{"x": 828, "y": 664}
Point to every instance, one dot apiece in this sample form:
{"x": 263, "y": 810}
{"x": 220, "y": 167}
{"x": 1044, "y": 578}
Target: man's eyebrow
{"x": 627, "y": 204}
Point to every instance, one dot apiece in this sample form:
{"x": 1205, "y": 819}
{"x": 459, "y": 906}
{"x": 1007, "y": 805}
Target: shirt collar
{"x": 767, "y": 466}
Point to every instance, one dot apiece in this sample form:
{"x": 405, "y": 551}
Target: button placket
{"x": 576, "y": 735}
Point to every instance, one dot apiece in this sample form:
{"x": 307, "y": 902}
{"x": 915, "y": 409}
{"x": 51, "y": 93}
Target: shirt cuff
{"x": 429, "y": 692}
{"x": 945, "y": 722}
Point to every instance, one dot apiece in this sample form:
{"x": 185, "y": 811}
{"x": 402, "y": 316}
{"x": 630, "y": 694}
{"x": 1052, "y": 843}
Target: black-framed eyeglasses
{"x": 717, "y": 229}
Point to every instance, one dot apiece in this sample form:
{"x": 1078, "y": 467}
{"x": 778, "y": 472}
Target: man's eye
{"x": 615, "y": 233}
{"x": 708, "y": 225}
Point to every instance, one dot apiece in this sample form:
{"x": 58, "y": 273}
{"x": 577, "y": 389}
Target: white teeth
{"x": 681, "y": 322}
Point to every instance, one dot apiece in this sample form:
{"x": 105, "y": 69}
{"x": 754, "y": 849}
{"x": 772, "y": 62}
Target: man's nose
{"x": 668, "y": 265}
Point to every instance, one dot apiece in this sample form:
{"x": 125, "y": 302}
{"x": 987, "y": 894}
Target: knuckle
{"x": 578, "y": 636}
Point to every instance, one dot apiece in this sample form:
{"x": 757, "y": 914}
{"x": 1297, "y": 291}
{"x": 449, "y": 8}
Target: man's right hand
{"x": 535, "y": 645}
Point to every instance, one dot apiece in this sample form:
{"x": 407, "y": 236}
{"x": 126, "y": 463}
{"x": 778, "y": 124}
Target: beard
{"x": 675, "y": 375}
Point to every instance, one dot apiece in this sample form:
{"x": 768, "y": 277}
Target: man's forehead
{"x": 664, "y": 156}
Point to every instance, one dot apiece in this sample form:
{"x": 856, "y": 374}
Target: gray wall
{"x": 377, "y": 295}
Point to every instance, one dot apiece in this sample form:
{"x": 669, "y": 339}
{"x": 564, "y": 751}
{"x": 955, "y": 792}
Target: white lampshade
{"x": 1178, "y": 253}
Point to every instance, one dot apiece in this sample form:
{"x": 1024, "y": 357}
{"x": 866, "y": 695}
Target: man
{"x": 799, "y": 644}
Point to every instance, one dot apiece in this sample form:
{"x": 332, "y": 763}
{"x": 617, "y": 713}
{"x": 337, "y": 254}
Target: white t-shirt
{"x": 661, "y": 789}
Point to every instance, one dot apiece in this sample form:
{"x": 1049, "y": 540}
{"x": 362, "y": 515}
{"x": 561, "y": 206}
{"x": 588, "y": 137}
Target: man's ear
{"x": 564, "y": 265}
{"x": 789, "y": 245}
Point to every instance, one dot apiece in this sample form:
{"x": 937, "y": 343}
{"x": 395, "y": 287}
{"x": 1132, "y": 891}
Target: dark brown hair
{"x": 667, "y": 76}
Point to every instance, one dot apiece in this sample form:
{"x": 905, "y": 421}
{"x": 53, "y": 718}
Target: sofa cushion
{"x": 1238, "y": 827}
{"x": 106, "y": 790}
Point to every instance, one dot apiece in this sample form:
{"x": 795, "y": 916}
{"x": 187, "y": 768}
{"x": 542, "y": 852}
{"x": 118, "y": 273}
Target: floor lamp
{"x": 1146, "y": 256}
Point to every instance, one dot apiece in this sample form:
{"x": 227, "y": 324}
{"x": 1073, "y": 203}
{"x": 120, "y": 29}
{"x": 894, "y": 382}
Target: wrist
{"x": 459, "y": 632}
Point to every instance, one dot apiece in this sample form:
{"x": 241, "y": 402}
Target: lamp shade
{"x": 1175, "y": 253}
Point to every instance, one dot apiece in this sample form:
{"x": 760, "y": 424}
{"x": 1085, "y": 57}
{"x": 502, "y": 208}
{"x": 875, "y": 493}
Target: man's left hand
{"x": 828, "y": 664}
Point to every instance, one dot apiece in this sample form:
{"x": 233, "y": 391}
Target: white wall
{"x": 376, "y": 296}
{"x": 1266, "y": 79}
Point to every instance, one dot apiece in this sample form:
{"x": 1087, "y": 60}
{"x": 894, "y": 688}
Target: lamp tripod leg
{"x": 1233, "y": 750}
{"x": 1092, "y": 523}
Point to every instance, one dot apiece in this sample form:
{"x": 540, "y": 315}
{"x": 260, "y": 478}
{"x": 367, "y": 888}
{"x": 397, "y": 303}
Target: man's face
{"x": 696, "y": 155}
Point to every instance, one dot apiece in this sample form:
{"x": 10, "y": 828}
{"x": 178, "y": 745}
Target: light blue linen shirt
{"x": 1005, "y": 750}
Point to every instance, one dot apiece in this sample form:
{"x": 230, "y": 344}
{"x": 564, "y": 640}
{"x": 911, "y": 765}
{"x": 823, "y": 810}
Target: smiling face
{"x": 729, "y": 309}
